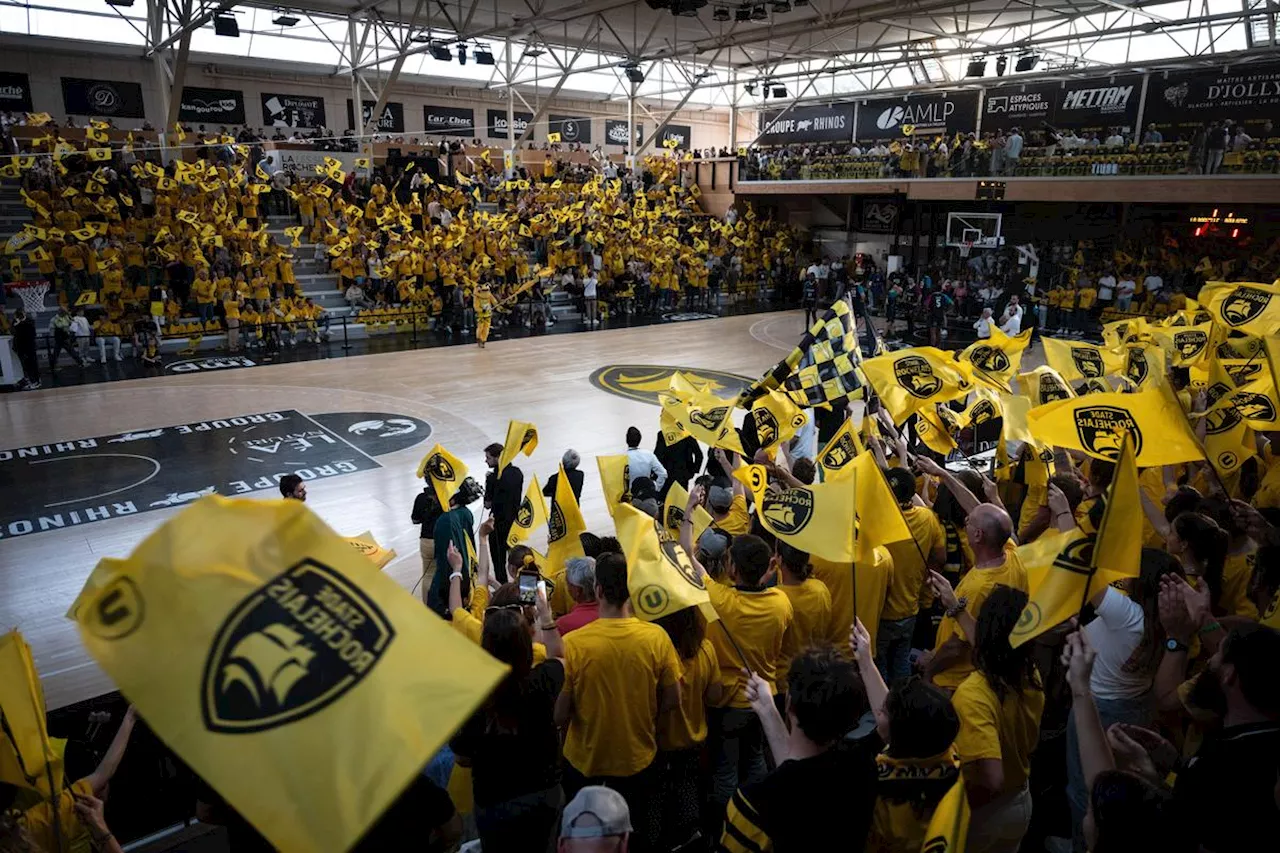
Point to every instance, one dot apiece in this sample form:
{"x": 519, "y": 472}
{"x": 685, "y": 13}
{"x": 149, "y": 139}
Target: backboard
{"x": 982, "y": 230}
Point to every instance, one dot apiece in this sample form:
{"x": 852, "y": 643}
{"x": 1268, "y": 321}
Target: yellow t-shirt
{"x": 1236, "y": 574}
{"x": 1086, "y": 296}
{"x": 613, "y": 670}
{"x": 472, "y": 627}
{"x": 686, "y": 726}
{"x": 38, "y": 821}
{"x": 909, "y": 572}
{"x": 757, "y": 620}
{"x": 976, "y": 586}
{"x": 738, "y": 521}
{"x": 1006, "y": 730}
{"x": 810, "y": 625}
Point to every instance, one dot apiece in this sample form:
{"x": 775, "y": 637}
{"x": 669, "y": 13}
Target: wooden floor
{"x": 467, "y": 396}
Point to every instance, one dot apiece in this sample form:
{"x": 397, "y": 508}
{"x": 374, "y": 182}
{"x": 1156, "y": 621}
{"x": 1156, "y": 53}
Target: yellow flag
{"x": 1074, "y": 360}
{"x": 879, "y": 519}
{"x": 368, "y": 547}
{"x": 932, "y": 431}
{"x": 27, "y": 758}
{"x": 775, "y": 418}
{"x": 818, "y": 519}
{"x": 948, "y": 830}
{"x": 1117, "y": 332}
{"x": 254, "y": 640}
{"x": 841, "y": 450}
{"x": 1228, "y": 440}
{"x": 660, "y": 576}
{"x": 1117, "y": 548}
{"x": 553, "y": 137}
{"x": 673, "y": 513}
{"x": 1243, "y": 306}
{"x": 564, "y": 524}
{"x": 615, "y": 479}
{"x": 99, "y": 154}
{"x": 89, "y": 297}
{"x": 522, "y": 437}
{"x": 1143, "y": 363}
{"x": 704, "y": 416}
{"x": 910, "y": 379}
{"x": 1191, "y": 344}
{"x": 996, "y": 359}
{"x": 531, "y": 514}
{"x": 445, "y": 471}
{"x": 1096, "y": 424}
{"x": 1061, "y": 577}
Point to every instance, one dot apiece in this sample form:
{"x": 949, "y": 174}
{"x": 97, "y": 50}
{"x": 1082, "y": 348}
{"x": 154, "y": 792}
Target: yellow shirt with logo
{"x": 613, "y": 670}
{"x": 989, "y": 728}
{"x": 738, "y": 521}
{"x": 975, "y": 587}
{"x": 757, "y": 620}
{"x": 909, "y": 562}
{"x": 810, "y": 624}
{"x": 685, "y": 726}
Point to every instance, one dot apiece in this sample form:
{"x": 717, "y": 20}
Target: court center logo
{"x": 990, "y": 359}
{"x": 1088, "y": 361}
{"x": 1102, "y": 429}
{"x": 1244, "y": 304}
{"x": 915, "y": 374}
{"x": 644, "y": 382}
{"x": 788, "y": 512}
{"x": 290, "y": 649}
{"x": 839, "y": 454}
{"x": 1191, "y": 343}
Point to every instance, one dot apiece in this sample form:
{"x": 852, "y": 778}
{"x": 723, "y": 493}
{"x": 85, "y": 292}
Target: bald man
{"x": 995, "y": 562}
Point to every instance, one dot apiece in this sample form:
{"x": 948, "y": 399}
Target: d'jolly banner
{"x": 1180, "y": 101}
{"x": 102, "y": 98}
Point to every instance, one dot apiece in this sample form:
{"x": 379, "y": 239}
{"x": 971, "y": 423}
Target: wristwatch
{"x": 1173, "y": 645}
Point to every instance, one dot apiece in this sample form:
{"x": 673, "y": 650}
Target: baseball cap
{"x": 596, "y": 812}
{"x": 719, "y": 497}
{"x": 713, "y": 543}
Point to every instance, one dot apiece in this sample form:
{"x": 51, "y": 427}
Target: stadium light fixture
{"x": 781, "y": 6}
{"x": 462, "y": 54}
{"x": 420, "y": 38}
{"x": 483, "y": 55}
{"x": 977, "y": 68}
{"x": 1026, "y": 62}
{"x": 284, "y": 19}
{"x": 225, "y": 25}
{"x": 758, "y": 13}
{"x": 1002, "y": 65}
{"x": 742, "y": 13}
{"x": 779, "y": 91}
{"x": 125, "y": 3}
{"x": 720, "y": 13}
{"x": 439, "y": 50}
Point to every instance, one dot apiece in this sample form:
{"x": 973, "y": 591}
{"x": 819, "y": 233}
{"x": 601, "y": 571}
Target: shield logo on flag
{"x": 1102, "y": 428}
{"x": 788, "y": 512}
{"x": 1088, "y": 361}
{"x": 1224, "y": 418}
{"x": 1137, "y": 367}
{"x": 915, "y": 374}
{"x": 289, "y": 649}
{"x": 1244, "y": 304}
{"x": 557, "y": 528}
{"x": 982, "y": 412}
{"x": 1254, "y": 407}
{"x": 675, "y": 556}
{"x": 990, "y": 359}
{"x": 839, "y": 455}
{"x": 712, "y": 418}
{"x": 1051, "y": 389}
{"x": 949, "y": 420}
{"x": 675, "y": 517}
{"x": 1190, "y": 343}
{"x": 1242, "y": 373}
{"x": 766, "y": 426}
{"x": 524, "y": 515}
{"x": 439, "y": 469}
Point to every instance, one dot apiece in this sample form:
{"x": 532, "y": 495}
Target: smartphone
{"x": 528, "y": 586}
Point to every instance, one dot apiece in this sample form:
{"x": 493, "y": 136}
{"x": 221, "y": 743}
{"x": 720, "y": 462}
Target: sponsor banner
{"x": 391, "y": 120}
{"x": 292, "y": 111}
{"x": 1084, "y": 105}
{"x": 15, "y": 92}
{"x": 303, "y": 163}
{"x": 496, "y": 123}
{"x": 884, "y": 118}
{"x": 880, "y": 215}
{"x": 615, "y": 132}
{"x": 570, "y": 128}
{"x": 211, "y": 106}
{"x": 682, "y": 134}
{"x": 449, "y": 121}
{"x": 1180, "y": 101}
{"x": 828, "y": 123}
{"x": 102, "y": 98}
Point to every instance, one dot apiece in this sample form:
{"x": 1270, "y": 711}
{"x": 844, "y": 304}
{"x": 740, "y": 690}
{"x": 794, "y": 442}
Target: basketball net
{"x": 965, "y": 248}
{"x": 32, "y": 294}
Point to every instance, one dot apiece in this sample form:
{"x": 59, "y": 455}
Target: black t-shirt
{"x": 806, "y": 802}
{"x": 523, "y": 755}
{"x": 1227, "y": 792}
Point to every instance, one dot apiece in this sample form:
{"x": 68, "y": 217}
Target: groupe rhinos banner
{"x": 682, "y": 134}
{"x": 211, "y": 106}
{"x": 102, "y": 98}
{"x": 449, "y": 121}
{"x": 391, "y": 120}
{"x": 1083, "y": 105}
{"x": 832, "y": 123}
{"x": 884, "y": 118}
{"x": 292, "y": 111}
{"x": 570, "y": 128}
{"x": 1178, "y": 102}
{"x": 303, "y": 163}
{"x": 15, "y": 92}
{"x": 496, "y": 123}
{"x": 615, "y": 132}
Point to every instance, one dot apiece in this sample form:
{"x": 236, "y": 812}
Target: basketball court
{"x": 87, "y": 472}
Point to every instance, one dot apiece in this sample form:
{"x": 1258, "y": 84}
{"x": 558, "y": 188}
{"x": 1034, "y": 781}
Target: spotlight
{"x": 1002, "y": 64}
{"x": 779, "y": 91}
{"x": 1026, "y": 62}
{"x": 720, "y": 13}
{"x": 703, "y": 75}
{"x": 124, "y": 3}
{"x": 533, "y": 51}
{"x": 462, "y": 54}
{"x": 758, "y": 13}
{"x": 284, "y": 19}
{"x": 977, "y": 67}
{"x": 483, "y": 55}
{"x": 781, "y": 6}
{"x": 439, "y": 50}
{"x": 633, "y": 72}
{"x": 658, "y": 4}
{"x": 742, "y": 13}
{"x": 686, "y": 8}
{"x": 751, "y": 88}
{"x": 225, "y": 25}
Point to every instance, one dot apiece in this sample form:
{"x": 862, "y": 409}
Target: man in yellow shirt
{"x": 913, "y": 560}
{"x": 107, "y": 331}
{"x": 620, "y": 675}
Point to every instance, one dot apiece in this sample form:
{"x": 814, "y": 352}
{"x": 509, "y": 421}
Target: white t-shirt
{"x": 1152, "y": 283}
{"x": 1012, "y": 321}
{"x": 589, "y": 287}
{"x": 1106, "y": 286}
{"x": 1114, "y": 635}
{"x": 1127, "y": 286}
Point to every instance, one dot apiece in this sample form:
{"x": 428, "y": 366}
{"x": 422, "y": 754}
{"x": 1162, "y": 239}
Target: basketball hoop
{"x": 32, "y": 294}
{"x": 965, "y": 248}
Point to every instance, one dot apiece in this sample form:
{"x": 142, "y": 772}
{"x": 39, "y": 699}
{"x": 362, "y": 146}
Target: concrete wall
{"x": 45, "y": 61}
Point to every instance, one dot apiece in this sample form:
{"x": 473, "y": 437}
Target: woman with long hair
{"x": 1201, "y": 546}
{"x": 999, "y": 705}
{"x": 1128, "y": 641}
{"x": 1238, "y": 567}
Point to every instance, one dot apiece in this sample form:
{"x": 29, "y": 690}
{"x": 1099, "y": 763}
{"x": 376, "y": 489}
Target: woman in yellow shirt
{"x": 231, "y": 311}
